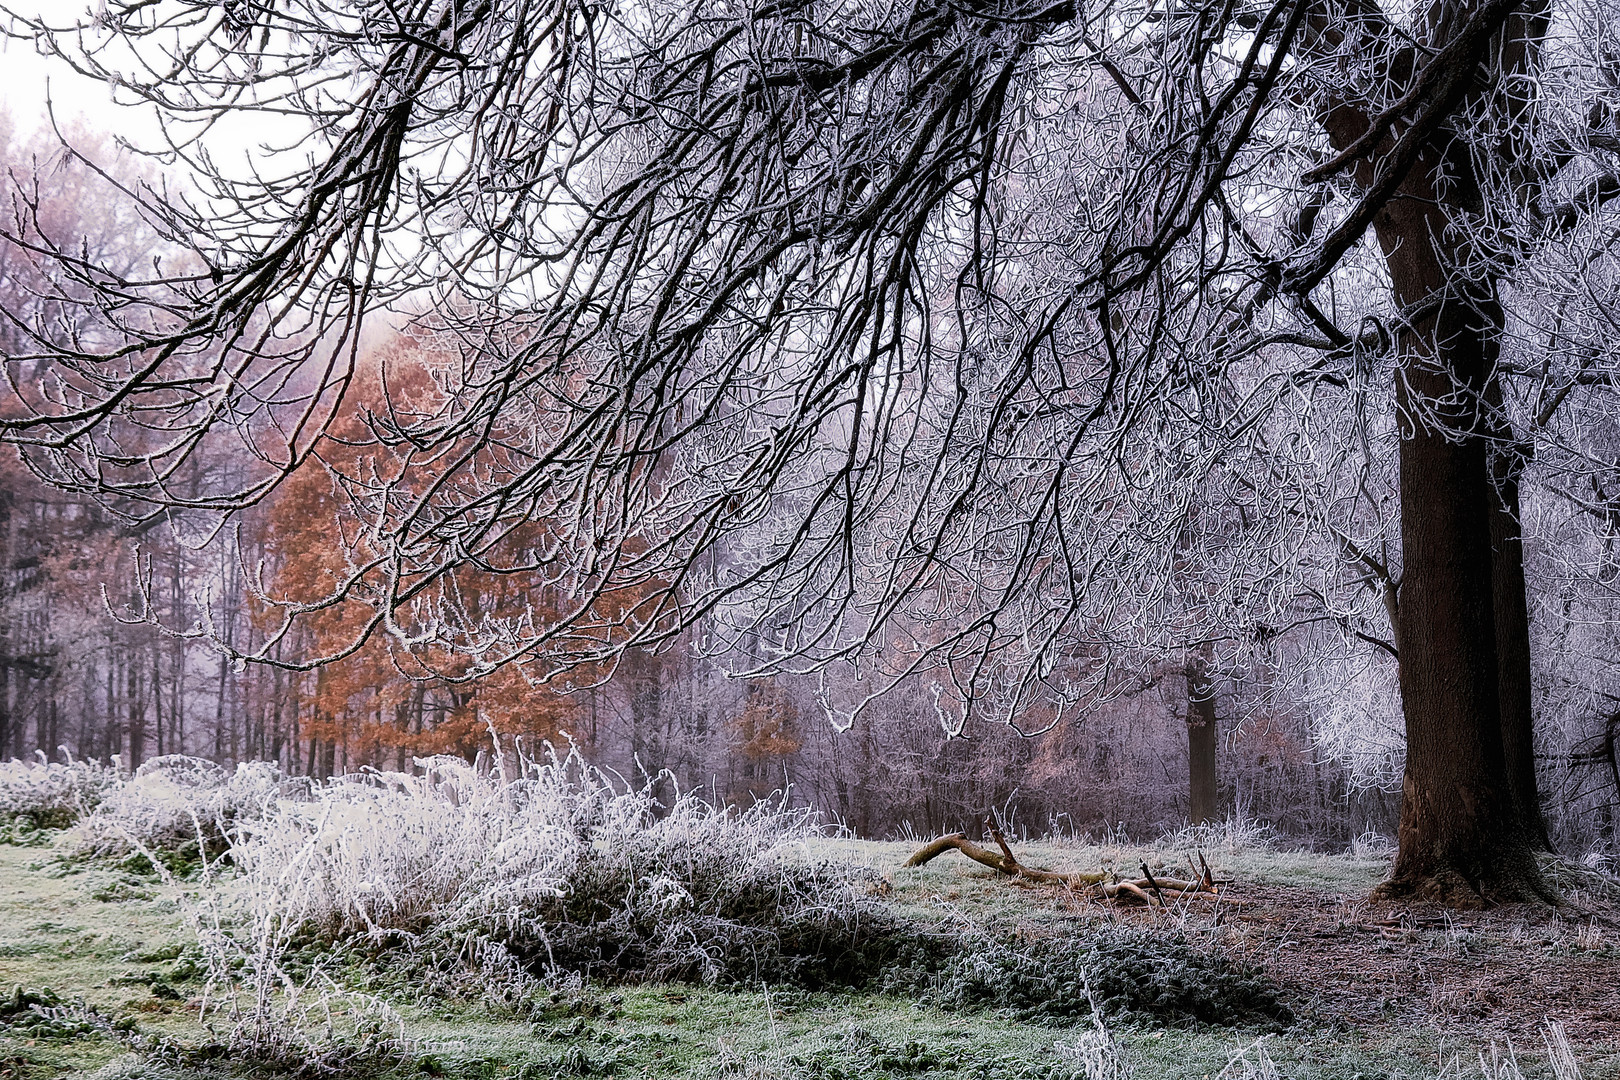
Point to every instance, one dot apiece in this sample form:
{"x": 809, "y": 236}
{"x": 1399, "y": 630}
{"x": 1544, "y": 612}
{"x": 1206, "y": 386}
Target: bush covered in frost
{"x": 51, "y": 795}
{"x": 1119, "y": 971}
{"x": 558, "y": 870}
{"x": 181, "y": 805}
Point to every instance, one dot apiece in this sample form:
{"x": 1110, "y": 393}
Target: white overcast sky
{"x": 25, "y": 75}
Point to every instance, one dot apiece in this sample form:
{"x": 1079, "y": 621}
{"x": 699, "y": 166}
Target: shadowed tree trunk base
{"x": 1455, "y": 888}
{"x": 1507, "y": 881}
{"x": 1451, "y": 864}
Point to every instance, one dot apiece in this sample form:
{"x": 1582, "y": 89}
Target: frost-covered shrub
{"x": 1237, "y": 833}
{"x": 558, "y": 870}
{"x": 1117, "y": 971}
{"x": 181, "y": 804}
{"x": 52, "y": 795}
{"x": 1253, "y": 1062}
{"x": 1372, "y": 845}
{"x": 1096, "y": 1054}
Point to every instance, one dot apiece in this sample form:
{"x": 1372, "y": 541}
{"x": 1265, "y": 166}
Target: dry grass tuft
{"x": 51, "y": 795}
{"x": 180, "y": 805}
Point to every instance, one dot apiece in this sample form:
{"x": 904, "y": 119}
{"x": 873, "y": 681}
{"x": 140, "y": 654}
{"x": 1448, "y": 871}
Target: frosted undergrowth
{"x": 177, "y": 803}
{"x": 1238, "y": 832}
{"x": 52, "y": 795}
{"x": 1500, "y": 1062}
{"x": 555, "y": 869}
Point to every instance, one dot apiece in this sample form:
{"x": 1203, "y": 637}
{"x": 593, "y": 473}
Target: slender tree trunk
{"x": 1201, "y": 744}
{"x": 592, "y": 740}
{"x": 10, "y": 740}
{"x": 646, "y": 674}
{"x": 137, "y": 716}
{"x": 51, "y": 718}
{"x": 284, "y": 732}
{"x": 157, "y": 697}
{"x": 114, "y": 744}
{"x": 223, "y": 747}
{"x": 10, "y": 728}
{"x": 177, "y": 656}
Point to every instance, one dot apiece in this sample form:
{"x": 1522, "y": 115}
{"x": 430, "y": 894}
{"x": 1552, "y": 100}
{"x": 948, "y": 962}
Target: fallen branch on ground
{"x": 1148, "y": 889}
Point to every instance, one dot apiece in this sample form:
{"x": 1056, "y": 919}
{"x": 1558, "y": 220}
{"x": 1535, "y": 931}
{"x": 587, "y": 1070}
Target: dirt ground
{"x": 1351, "y": 963}
{"x": 1490, "y": 975}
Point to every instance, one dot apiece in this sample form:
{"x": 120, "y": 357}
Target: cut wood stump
{"x": 1149, "y": 889}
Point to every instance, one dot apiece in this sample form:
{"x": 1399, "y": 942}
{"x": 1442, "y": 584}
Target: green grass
{"x": 116, "y": 941}
{"x": 92, "y": 934}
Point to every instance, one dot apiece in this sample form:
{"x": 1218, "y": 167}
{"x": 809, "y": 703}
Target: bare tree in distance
{"x": 894, "y": 339}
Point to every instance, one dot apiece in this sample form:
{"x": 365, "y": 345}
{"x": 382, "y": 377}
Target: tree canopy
{"x": 1014, "y": 346}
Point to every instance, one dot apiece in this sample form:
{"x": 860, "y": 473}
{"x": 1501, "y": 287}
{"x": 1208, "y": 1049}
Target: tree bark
{"x": 1201, "y": 745}
{"x": 1513, "y": 649}
{"x": 1461, "y": 836}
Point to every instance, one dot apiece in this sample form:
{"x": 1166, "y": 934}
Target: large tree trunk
{"x": 1461, "y": 836}
{"x": 1461, "y": 839}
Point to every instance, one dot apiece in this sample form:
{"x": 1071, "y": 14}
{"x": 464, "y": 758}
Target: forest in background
{"x": 109, "y": 632}
{"x": 656, "y": 499}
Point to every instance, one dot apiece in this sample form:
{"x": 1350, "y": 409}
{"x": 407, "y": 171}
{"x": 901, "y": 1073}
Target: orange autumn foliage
{"x": 396, "y": 694}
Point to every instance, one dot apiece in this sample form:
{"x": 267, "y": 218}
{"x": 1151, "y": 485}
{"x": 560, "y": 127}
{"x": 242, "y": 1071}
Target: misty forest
{"x": 810, "y": 539}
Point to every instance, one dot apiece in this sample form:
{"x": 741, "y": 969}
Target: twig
{"x": 1154, "y": 885}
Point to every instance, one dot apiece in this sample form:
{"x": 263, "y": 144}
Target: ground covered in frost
{"x": 696, "y": 945}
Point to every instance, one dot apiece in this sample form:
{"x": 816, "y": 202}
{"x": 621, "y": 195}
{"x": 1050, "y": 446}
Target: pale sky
{"x": 24, "y": 76}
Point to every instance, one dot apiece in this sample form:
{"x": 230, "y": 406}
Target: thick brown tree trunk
{"x": 1461, "y": 837}
{"x": 1513, "y": 650}
{"x": 1201, "y": 745}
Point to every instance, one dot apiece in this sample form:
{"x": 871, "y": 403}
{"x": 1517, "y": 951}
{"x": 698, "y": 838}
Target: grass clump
{"x": 856, "y": 1053}
{"x": 848, "y": 1054}
{"x": 556, "y": 870}
{"x": 38, "y": 795}
{"x": 1234, "y": 834}
{"x": 1116, "y": 972}
{"x": 45, "y": 1015}
{"x": 178, "y": 811}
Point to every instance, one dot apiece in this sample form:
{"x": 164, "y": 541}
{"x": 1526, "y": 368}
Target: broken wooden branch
{"x": 1005, "y": 862}
{"x": 1154, "y": 885}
